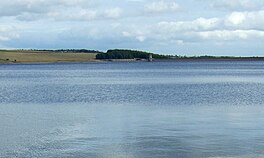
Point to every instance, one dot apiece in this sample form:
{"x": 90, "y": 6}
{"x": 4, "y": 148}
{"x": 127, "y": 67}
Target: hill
{"x": 128, "y": 54}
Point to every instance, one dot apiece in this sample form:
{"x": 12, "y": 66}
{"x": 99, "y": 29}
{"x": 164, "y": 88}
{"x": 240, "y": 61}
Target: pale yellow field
{"x": 43, "y": 57}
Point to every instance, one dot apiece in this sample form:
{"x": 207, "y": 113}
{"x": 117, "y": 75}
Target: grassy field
{"x": 43, "y": 57}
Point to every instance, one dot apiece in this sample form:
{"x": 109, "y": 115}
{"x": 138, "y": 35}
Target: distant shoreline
{"x": 218, "y": 59}
{"x": 155, "y": 61}
{"x": 71, "y": 56}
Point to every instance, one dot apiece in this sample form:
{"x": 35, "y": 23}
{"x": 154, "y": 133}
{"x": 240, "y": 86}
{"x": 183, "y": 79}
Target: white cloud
{"x": 161, "y": 6}
{"x": 236, "y": 26}
{"x": 126, "y": 34}
{"x": 113, "y": 13}
{"x": 73, "y": 14}
{"x": 141, "y": 38}
{"x": 18, "y": 7}
{"x": 198, "y": 24}
{"x": 231, "y": 35}
{"x": 246, "y": 20}
{"x": 236, "y": 18}
{"x": 137, "y": 34}
{"x": 238, "y": 5}
{"x": 56, "y": 9}
{"x": 75, "y": 2}
{"x": 8, "y": 33}
{"x": 150, "y": 23}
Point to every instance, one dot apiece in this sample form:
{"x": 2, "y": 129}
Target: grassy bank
{"x": 26, "y": 56}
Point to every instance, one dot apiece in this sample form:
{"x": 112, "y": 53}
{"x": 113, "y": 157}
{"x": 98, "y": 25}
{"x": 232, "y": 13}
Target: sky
{"x": 178, "y": 27}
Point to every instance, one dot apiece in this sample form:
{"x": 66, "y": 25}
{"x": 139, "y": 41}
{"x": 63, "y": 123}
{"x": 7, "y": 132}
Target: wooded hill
{"x": 128, "y": 54}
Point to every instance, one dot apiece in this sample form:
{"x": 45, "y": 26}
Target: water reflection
{"x": 81, "y": 130}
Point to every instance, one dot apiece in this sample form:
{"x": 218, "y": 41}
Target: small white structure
{"x": 150, "y": 59}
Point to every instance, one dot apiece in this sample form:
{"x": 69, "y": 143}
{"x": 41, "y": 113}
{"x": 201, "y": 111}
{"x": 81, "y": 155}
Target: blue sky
{"x": 184, "y": 27}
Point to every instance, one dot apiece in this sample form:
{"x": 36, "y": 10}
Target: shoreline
{"x": 206, "y": 60}
{"x": 17, "y": 57}
{"x": 44, "y": 63}
{"x": 155, "y": 61}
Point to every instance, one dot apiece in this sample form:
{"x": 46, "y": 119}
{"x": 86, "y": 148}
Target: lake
{"x": 132, "y": 110}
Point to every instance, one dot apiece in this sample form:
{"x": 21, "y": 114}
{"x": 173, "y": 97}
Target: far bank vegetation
{"x": 128, "y": 54}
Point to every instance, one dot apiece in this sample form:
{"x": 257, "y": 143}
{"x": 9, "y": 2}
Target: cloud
{"x": 8, "y": 33}
{"x": 67, "y": 10}
{"x": 138, "y": 37}
{"x": 236, "y": 18}
{"x": 198, "y": 24}
{"x": 101, "y": 24}
{"x": 238, "y": 5}
{"x": 135, "y": 34}
{"x": 235, "y": 26}
{"x": 246, "y": 20}
{"x": 18, "y": 7}
{"x": 113, "y": 13}
{"x": 161, "y": 7}
{"x": 227, "y": 35}
{"x": 73, "y": 14}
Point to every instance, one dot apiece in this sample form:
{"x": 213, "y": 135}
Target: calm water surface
{"x": 132, "y": 110}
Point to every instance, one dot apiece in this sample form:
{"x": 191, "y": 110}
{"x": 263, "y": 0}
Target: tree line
{"x": 128, "y": 54}
{"x": 64, "y": 50}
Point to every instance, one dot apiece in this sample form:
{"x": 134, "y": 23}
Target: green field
{"x": 26, "y": 56}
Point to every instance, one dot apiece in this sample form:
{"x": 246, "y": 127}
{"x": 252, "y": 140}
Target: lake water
{"x": 132, "y": 110}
